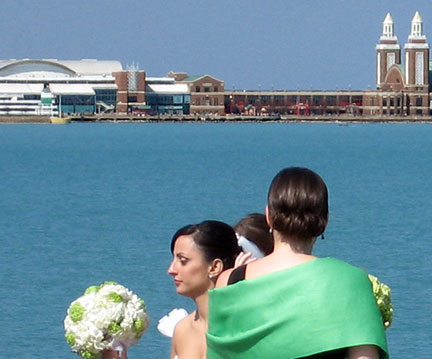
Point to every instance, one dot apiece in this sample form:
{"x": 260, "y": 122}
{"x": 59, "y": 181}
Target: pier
{"x": 217, "y": 118}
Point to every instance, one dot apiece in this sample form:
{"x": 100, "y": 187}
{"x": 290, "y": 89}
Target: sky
{"x": 248, "y": 44}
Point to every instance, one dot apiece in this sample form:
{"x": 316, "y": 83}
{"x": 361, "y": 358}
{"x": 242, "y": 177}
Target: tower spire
{"x": 388, "y": 27}
{"x": 388, "y": 50}
{"x": 417, "y": 28}
{"x": 417, "y": 66}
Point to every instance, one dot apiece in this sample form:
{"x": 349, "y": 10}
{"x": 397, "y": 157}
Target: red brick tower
{"x": 388, "y": 50}
{"x": 417, "y": 68}
{"x": 417, "y": 55}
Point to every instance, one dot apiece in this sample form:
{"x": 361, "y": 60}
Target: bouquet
{"x": 104, "y": 317}
{"x": 382, "y": 296}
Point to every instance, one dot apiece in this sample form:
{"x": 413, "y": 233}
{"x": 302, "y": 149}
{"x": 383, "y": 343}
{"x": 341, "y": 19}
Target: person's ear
{"x": 268, "y": 219}
{"x": 216, "y": 268}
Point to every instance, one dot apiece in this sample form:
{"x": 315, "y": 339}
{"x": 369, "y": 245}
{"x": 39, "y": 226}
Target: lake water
{"x": 85, "y": 203}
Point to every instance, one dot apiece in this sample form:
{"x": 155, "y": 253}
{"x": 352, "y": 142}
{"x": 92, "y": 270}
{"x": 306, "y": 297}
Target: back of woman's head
{"x": 214, "y": 239}
{"x": 254, "y": 227}
{"x": 298, "y": 203}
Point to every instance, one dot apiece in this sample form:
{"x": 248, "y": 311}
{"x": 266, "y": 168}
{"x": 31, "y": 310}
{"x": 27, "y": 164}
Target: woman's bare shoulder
{"x": 184, "y": 324}
{"x": 180, "y": 333}
{"x": 222, "y": 280}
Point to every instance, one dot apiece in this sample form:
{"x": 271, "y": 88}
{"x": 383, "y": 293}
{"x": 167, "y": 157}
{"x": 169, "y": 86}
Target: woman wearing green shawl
{"x": 291, "y": 304}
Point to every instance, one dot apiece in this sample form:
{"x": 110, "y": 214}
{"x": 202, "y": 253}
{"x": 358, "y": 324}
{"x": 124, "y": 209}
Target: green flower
{"x": 116, "y": 298}
{"x": 107, "y": 283}
{"x": 70, "y": 338}
{"x": 91, "y": 289}
{"x": 143, "y": 305}
{"x": 89, "y": 355}
{"x": 76, "y": 312}
{"x": 139, "y": 326}
{"x": 114, "y": 327}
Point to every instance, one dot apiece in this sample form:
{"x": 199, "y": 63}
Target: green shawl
{"x": 321, "y": 305}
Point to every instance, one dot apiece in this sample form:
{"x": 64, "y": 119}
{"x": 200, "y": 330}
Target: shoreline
{"x": 341, "y": 119}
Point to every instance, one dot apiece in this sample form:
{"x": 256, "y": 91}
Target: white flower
{"x": 105, "y": 314}
{"x": 167, "y": 323}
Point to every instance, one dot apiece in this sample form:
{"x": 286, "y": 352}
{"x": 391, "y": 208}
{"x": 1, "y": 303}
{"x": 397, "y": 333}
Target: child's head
{"x": 254, "y": 227}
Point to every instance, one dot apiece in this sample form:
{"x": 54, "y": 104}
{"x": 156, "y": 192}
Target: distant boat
{"x": 60, "y": 120}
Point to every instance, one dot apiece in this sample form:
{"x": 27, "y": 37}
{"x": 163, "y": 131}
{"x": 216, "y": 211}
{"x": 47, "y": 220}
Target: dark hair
{"x": 255, "y": 228}
{"x": 215, "y": 239}
{"x": 298, "y": 203}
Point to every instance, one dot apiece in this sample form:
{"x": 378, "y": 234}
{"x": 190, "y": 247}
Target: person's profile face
{"x": 189, "y": 269}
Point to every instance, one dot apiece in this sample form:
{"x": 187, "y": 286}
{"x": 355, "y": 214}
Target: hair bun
{"x": 300, "y": 224}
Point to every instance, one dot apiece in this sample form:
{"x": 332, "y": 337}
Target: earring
{"x": 210, "y": 276}
{"x": 270, "y": 230}
{"x": 322, "y": 236}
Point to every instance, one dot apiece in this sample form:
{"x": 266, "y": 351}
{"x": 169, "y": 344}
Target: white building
{"x": 51, "y": 87}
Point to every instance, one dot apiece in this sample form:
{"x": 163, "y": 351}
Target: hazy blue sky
{"x": 249, "y": 44}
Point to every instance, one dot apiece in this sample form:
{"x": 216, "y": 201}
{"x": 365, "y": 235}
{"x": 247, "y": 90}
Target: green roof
{"x": 193, "y": 78}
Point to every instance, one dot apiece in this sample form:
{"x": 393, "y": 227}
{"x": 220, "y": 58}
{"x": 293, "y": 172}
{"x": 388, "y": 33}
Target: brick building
{"x": 403, "y": 89}
{"x": 207, "y": 93}
{"x": 131, "y": 96}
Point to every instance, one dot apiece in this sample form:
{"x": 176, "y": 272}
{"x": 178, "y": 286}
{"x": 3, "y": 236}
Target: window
{"x": 216, "y": 89}
{"x": 279, "y": 100}
{"x": 419, "y": 68}
{"x": 304, "y": 99}
{"x": 331, "y": 100}
{"x": 316, "y": 100}
{"x": 206, "y": 89}
{"x": 265, "y": 99}
{"x": 251, "y": 99}
{"x": 392, "y": 101}
{"x": 215, "y": 102}
{"x": 132, "y": 99}
{"x": 292, "y": 100}
{"x": 177, "y": 99}
{"x": 391, "y": 59}
{"x": 109, "y": 97}
{"x": 419, "y": 101}
{"x": 197, "y": 89}
{"x": 165, "y": 100}
{"x": 358, "y": 100}
{"x": 384, "y": 101}
{"x": 32, "y": 97}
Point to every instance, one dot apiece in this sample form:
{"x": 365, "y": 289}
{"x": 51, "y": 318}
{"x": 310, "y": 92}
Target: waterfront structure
{"x": 300, "y": 103}
{"x": 207, "y": 93}
{"x": 403, "y": 89}
{"x": 388, "y": 51}
{"x": 130, "y": 86}
{"x": 165, "y": 96}
{"x": 52, "y": 87}
{"x": 56, "y": 87}
{"x": 73, "y": 86}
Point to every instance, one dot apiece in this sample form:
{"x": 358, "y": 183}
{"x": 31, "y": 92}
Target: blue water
{"x": 85, "y": 203}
